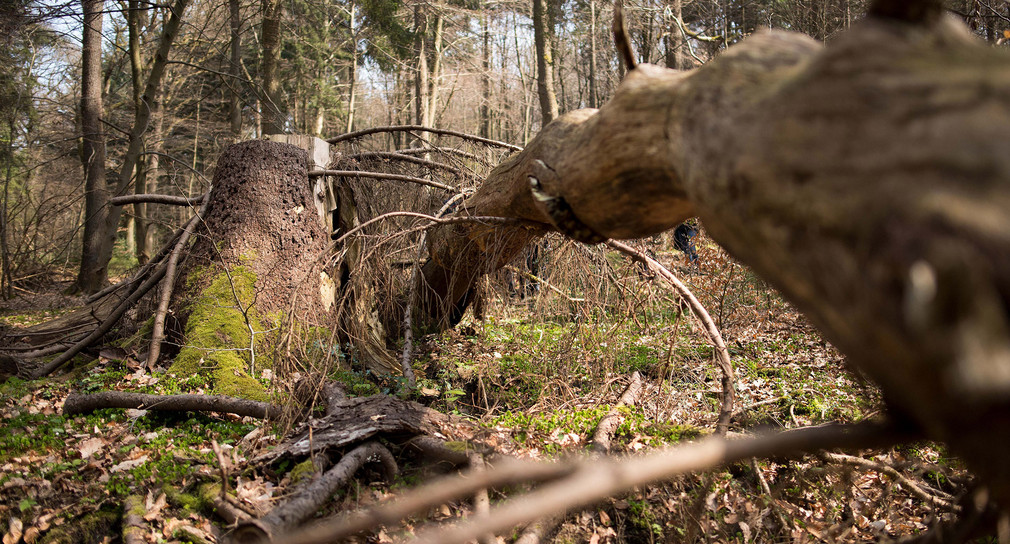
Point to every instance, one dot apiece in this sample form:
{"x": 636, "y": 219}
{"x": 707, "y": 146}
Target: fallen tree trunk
{"x": 868, "y": 181}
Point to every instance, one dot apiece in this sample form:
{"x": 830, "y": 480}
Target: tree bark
{"x": 867, "y": 181}
{"x": 542, "y": 39}
{"x": 235, "y": 68}
{"x": 274, "y": 114}
{"x": 93, "y": 270}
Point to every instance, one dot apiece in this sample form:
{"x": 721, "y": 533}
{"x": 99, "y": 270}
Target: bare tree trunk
{"x": 436, "y": 73}
{"x": 352, "y": 75}
{"x": 93, "y": 271}
{"x": 139, "y": 232}
{"x": 675, "y": 38}
{"x": 421, "y": 71}
{"x": 542, "y": 38}
{"x": 594, "y": 97}
{"x": 485, "y": 77}
{"x": 235, "y": 68}
{"x": 274, "y": 114}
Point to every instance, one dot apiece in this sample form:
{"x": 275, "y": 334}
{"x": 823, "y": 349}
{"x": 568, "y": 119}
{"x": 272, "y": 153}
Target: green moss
{"x": 93, "y": 527}
{"x": 218, "y": 333}
{"x": 186, "y": 501}
{"x": 302, "y": 470}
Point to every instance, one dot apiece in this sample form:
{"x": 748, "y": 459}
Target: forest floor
{"x": 536, "y": 375}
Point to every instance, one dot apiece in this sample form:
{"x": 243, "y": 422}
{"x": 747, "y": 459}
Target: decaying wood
{"x": 579, "y": 483}
{"x": 421, "y": 499}
{"x": 134, "y": 528}
{"x": 728, "y": 396}
{"x": 866, "y": 180}
{"x": 354, "y": 420}
{"x": 77, "y": 403}
{"x": 310, "y": 497}
{"x": 539, "y": 530}
{"x": 608, "y": 423}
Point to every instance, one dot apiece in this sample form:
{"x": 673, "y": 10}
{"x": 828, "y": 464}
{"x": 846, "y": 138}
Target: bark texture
{"x": 868, "y": 181}
{"x": 93, "y": 270}
{"x": 85, "y": 404}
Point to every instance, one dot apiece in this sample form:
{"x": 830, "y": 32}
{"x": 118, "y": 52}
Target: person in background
{"x": 683, "y": 240}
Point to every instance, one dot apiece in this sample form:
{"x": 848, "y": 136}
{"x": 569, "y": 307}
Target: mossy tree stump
{"x": 255, "y": 261}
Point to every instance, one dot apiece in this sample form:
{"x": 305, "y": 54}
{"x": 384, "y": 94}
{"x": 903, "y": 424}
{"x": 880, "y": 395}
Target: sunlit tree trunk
{"x": 235, "y": 69}
{"x": 274, "y": 114}
{"x": 93, "y": 269}
{"x": 542, "y": 38}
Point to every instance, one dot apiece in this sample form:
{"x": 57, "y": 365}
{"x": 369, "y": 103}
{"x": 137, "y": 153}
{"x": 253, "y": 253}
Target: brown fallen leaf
{"x": 13, "y": 535}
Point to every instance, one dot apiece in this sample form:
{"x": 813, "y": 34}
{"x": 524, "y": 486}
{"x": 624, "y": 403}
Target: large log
{"x": 869, "y": 181}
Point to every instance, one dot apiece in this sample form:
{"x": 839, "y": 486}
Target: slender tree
{"x": 542, "y": 38}
{"x": 93, "y": 269}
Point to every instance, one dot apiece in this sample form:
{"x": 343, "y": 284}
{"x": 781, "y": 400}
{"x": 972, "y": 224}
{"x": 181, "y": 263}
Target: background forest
{"x": 238, "y": 70}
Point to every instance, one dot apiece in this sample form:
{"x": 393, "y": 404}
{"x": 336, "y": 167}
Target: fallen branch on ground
{"x": 134, "y": 528}
{"x": 307, "y": 500}
{"x": 580, "y": 483}
{"x": 77, "y": 403}
{"x": 936, "y": 497}
{"x": 605, "y": 428}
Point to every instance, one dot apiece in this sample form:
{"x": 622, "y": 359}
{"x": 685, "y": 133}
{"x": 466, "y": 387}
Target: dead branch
{"x": 418, "y": 128}
{"x": 396, "y": 156}
{"x": 722, "y": 354}
{"x": 158, "y": 332}
{"x": 353, "y": 420}
{"x": 144, "y": 270}
{"x": 936, "y": 497}
{"x": 157, "y": 199}
{"x": 380, "y": 175}
{"x": 437, "y": 450}
{"x": 307, "y": 500}
{"x": 419, "y": 500}
{"x": 134, "y": 528}
{"x": 580, "y": 482}
{"x": 481, "y": 501}
{"x": 77, "y": 403}
{"x": 539, "y": 530}
{"x": 441, "y": 150}
{"x": 102, "y": 329}
{"x": 621, "y": 40}
{"x": 605, "y": 428}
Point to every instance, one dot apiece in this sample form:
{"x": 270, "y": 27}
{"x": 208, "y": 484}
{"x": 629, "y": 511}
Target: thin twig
{"x": 938, "y": 498}
{"x": 418, "y": 128}
{"x": 157, "y": 199}
{"x": 381, "y": 175}
{"x": 722, "y": 354}
{"x": 392, "y": 155}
